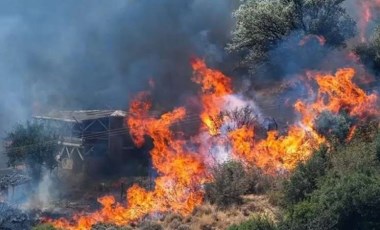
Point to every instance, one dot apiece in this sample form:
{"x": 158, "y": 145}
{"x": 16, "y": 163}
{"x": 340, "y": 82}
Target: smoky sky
{"x": 96, "y": 54}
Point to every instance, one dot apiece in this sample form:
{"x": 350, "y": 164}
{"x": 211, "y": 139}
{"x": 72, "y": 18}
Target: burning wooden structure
{"x": 90, "y": 139}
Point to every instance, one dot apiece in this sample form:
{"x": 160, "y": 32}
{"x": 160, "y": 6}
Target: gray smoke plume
{"x": 97, "y": 54}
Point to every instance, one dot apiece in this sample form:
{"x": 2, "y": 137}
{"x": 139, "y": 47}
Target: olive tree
{"x": 34, "y": 145}
{"x": 262, "y": 24}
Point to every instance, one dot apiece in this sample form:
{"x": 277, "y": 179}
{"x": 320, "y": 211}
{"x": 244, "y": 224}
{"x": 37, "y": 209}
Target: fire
{"x": 367, "y": 15}
{"x": 182, "y": 172}
{"x": 178, "y": 186}
{"x": 283, "y": 152}
{"x": 215, "y": 86}
{"x": 337, "y": 93}
{"x": 321, "y": 40}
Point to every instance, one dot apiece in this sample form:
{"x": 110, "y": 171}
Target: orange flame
{"x": 215, "y": 85}
{"x": 336, "y": 93}
{"x": 366, "y": 8}
{"x": 181, "y": 174}
{"x": 321, "y": 40}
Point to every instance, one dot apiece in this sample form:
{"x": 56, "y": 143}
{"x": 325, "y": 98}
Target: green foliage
{"x": 345, "y": 196}
{"x": 378, "y": 148}
{"x": 34, "y": 145}
{"x": 262, "y": 24}
{"x": 304, "y": 179}
{"x": 230, "y": 182}
{"x": 346, "y": 202}
{"x": 258, "y": 222}
{"x": 369, "y": 53}
{"x": 44, "y": 227}
{"x": 334, "y": 127}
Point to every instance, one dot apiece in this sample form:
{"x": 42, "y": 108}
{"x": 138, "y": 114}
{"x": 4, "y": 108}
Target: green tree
{"x": 34, "y": 145}
{"x": 369, "y": 53}
{"x": 262, "y": 24}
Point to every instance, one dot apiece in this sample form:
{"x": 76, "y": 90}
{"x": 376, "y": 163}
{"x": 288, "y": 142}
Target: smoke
{"x": 96, "y": 54}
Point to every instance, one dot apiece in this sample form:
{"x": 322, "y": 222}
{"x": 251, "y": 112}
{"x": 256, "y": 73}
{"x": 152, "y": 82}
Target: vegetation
{"x": 262, "y": 24}
{"x": 34, "y": 145}
{"x": 305, "y": 177}
{"x": 369, "y": 52}
{"x": 335, "y": 128}
{"x": 258, "y": 222}
{"x": 232, "y": 180}
{"x": 345, "y": 196}
{"x": 104, "y": 226}
{"x": 44, "y": 227}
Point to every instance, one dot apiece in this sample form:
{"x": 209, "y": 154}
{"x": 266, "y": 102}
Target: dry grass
{"x": 209, "y": 217}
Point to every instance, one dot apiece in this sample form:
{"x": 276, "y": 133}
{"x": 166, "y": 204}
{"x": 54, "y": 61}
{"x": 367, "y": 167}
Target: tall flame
{"x": 178, "y": 186}
{"x": 215, "y": 86}
{"x": 182, "y": 172}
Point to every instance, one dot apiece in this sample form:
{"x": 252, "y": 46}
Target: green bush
{"x": 230, "y": 182}
{"x": 258, "y": 222}
{"x": 369, "y": 52}
{"x": 44, "y": 227}
{"x": 304, "y": 179}
{"x": 346, "y": 195}
{"x": 334, "y": 127}
{"x": 347, "y": 202}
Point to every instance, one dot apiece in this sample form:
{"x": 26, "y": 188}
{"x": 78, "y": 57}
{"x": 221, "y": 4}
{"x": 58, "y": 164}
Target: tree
{"x": 262, "y": 24}
{"x": 34, "y": 145}
{"x": 369, "y": 53}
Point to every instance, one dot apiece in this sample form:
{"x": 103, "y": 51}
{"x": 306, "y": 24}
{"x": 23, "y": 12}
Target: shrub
{"x": 334, "y": 127}
{"x": 305, "y": 177}
{"x": 369, "y": 52}
{"x": 346, "y": 202}
{"x": 257, "y": 181}
{"x": 106, "y": 226}
{"x": 258, "y": 222}
{"x": 44, "y": 227}
{"x": 345, "y": 196}
{"x": 229, "y": 184}
{"x": 149, "y": 225}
